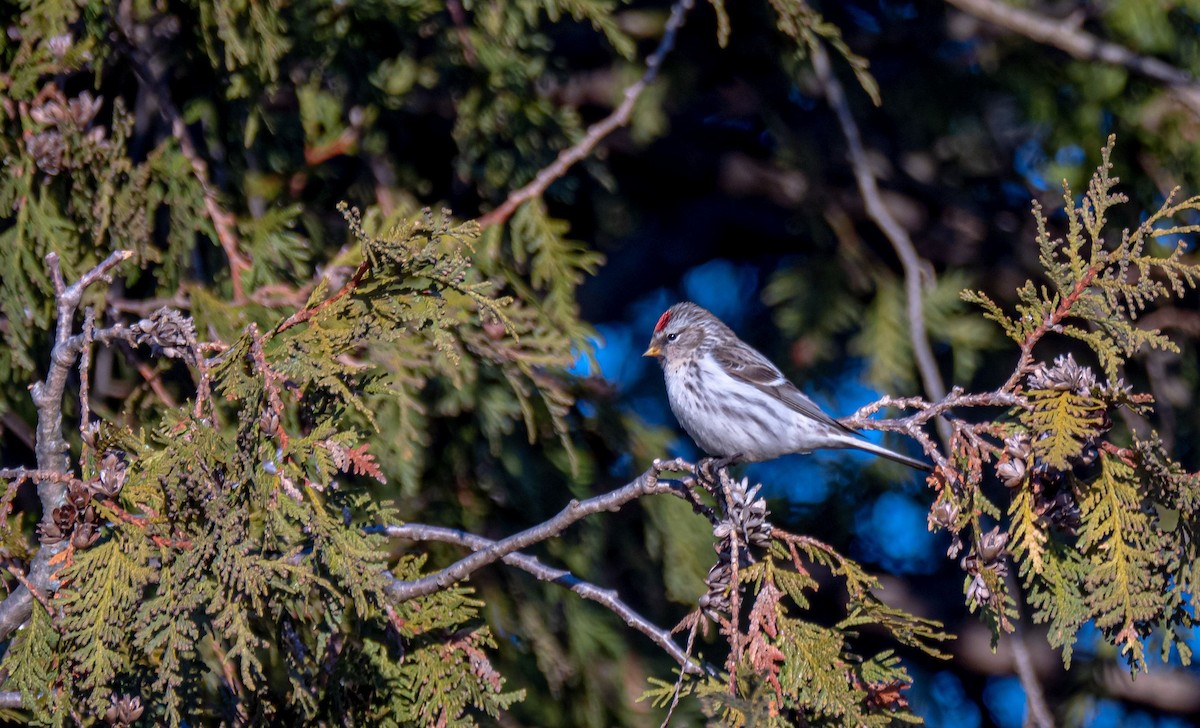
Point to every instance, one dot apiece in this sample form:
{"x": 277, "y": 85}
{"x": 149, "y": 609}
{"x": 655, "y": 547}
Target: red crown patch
{"x": 662, "y": 321}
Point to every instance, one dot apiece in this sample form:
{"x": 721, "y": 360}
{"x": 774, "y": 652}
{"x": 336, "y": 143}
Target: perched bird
{"x": 734, "y": 402}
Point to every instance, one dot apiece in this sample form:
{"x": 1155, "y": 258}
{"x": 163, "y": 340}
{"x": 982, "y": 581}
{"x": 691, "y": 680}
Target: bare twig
{"x": 912, "y": 425}
{"x": 695, "y": 618}
{"x": 1069, "y": 37}
{"x": 878, "y": 211}
{"x": 645, "y": 484}
{"x": 605, "y": 597}
{"x": 11, "y": 699}
{"x": 1039, "y": 712}
{"x": 596, "y": 132}
{"x": 51, "y": 448}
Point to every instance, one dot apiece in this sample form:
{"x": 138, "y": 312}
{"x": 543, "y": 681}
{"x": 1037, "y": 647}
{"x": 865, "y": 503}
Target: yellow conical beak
{"x": 652, "y": 351}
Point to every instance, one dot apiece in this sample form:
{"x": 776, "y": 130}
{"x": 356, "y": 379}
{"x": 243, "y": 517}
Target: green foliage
{"x": 1068, "y": 419}
{"x": 247, "y": 529}
{"x": 422, "y": 369}
{"x": 789, "y": 668}
{"x": 1102, "y": 286}
{"x": 75, "y": 191}
{"x": 1099, "y": 532}
{"x": 800, "y": 22}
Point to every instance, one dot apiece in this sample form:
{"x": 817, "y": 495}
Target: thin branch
{"x": 19, "y": 575}
{"x": 11, "y": 422}
{"x": 912, "y": 425}
{"x": 51, "y": 448}
{"x": 878, "y": 211}
{"x": 645, "y": 484}
{"x": 605, "y": 597}
{"x": 596, "y": 132}
{"x": 1025, "y": 363}
{"x": 11, "y": 699}
{"x": 459, "y": 18}
{"x": 308, "y": 312}
{"x": 1039, "y": 712}
{"x": 695, "y": 618}
{"x": 1069, "y": 37}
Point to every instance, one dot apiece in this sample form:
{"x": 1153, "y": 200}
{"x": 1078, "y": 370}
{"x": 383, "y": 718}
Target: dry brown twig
{"x": 224, "y": 223}
{"x": 596, "y": 132}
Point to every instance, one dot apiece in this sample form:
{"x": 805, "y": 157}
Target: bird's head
{"x": 681, "y": 333}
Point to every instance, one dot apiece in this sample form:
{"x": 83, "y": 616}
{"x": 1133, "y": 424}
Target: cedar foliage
{"x": 1099, "y": 531}
{"x": 222, "y": 562}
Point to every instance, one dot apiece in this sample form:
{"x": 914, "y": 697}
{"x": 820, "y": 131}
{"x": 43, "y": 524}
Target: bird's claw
{"x": 708, "y": 468}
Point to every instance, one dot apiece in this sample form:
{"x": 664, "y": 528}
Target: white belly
{"x": 726, "y": 416}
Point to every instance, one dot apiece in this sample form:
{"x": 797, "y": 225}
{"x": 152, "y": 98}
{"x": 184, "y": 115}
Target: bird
{"x": 734, "y": 402}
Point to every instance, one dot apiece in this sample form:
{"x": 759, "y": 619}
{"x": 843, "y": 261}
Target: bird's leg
{"x": 708, "y": 469}
{"x": 725, "y": 462}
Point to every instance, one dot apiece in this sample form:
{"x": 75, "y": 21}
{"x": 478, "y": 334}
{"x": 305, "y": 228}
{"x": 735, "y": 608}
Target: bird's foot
{"x": 708, "y": 468}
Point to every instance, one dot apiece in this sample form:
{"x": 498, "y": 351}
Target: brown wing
{"x": 746, "y": 364}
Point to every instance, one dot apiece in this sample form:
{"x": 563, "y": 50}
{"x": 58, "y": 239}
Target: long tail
{"x": 885, "y": 453}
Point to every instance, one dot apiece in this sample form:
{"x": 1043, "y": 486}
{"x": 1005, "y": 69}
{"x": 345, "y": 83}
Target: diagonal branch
{"x": 596, "y": 132}
{"x": 645, "y": 484}
{"x": 1067, "y": 36}
{"x": 605, "y": 597}
{"x": 878, "y": 211}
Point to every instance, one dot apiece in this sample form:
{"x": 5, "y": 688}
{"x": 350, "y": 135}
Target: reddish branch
{"x": 308, "y": 312}
{"x": 144, "y": 523}
{"x": 1062, "y": 311}
{"x": 19, "y": 575}
{"x": 223, "y": 221}
{"x": 596, "y": 132}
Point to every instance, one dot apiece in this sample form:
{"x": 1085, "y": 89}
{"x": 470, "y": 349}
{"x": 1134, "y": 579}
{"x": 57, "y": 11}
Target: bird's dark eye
{"x": 672, "y": 337}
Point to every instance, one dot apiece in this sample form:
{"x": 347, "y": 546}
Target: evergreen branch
{"x": 1066, "y": 35}
{"x": 914, "y": 267}
{"x": 596, "y": 132}
{"x": 1060, "y": 312}
{"x": 605, "y": 597}
{"x": 51, "y": 448}
{"x": 645, "y": 484}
